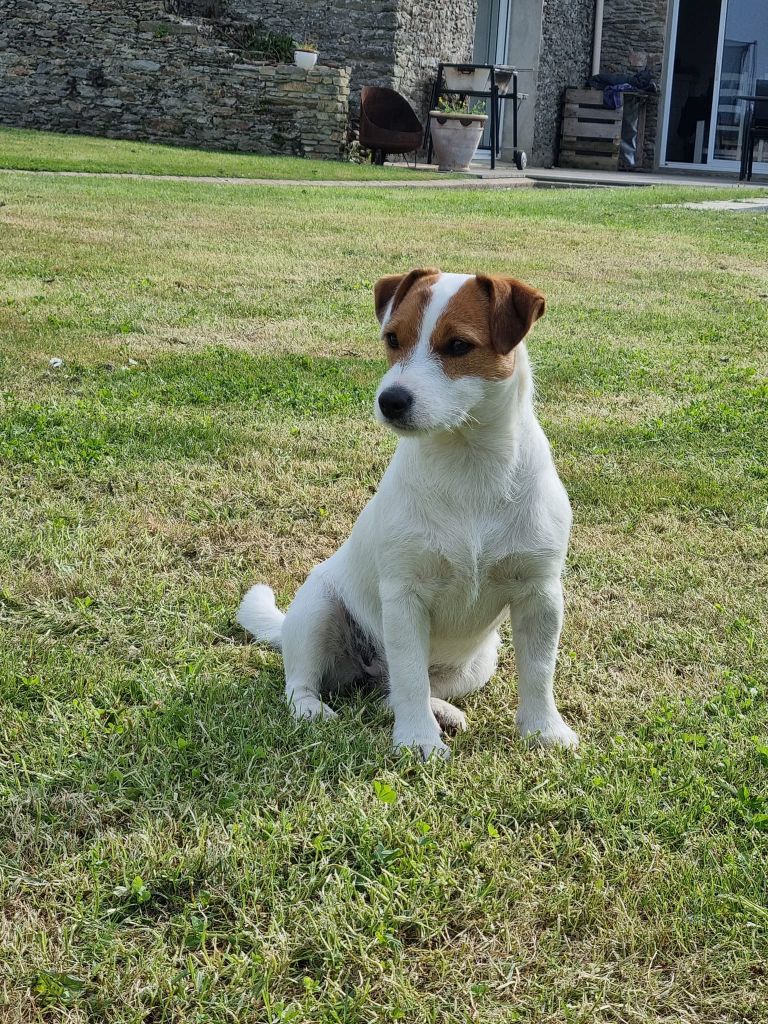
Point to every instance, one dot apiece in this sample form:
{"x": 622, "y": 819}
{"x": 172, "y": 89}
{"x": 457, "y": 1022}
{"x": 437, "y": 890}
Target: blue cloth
{"x": 612, "y": 95}
{"x": 613, "y": 85}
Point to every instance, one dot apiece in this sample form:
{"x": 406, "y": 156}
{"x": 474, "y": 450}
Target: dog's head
{"x": 450, "y": 339}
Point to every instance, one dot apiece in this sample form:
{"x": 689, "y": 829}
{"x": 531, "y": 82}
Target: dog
{"x": 470, "y": 524}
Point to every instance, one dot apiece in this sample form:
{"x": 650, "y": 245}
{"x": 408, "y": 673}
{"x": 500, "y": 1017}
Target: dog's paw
{"x": 449, "y": 718}
{"x": 424, "y": 746}
{"x": 551, "y": 731}
{"x": 309, "y": 708}
{"x": 425, "y": 750}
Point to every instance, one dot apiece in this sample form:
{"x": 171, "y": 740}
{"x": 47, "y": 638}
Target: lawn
{"x": 29, "y": 150}
{"x": 172, "y": 846}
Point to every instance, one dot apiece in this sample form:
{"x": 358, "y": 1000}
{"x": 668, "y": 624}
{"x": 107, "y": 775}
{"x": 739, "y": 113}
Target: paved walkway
{"x": 735, "y": 205}
{"x": 478, "y": 178}
{"x": 573, "y": 177}
{"x": 562, "y": 176}
{"x": 518, "y": 181}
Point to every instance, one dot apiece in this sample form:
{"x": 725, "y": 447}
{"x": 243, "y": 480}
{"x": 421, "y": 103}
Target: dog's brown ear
{"x": 394, "y": 288}
{"x": 515, "y": 308}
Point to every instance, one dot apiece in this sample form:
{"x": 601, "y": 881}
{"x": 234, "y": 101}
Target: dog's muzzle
{"x": 395, "y": 402}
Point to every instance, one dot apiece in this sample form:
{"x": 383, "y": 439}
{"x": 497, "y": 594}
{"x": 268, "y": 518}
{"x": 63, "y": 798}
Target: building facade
{"x": 703, "y": 55}
{"x": 172, "y": 71}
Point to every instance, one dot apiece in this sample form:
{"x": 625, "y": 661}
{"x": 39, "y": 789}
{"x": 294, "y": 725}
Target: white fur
{"x": 470, "y": 523}
{"x": 259, "y": 614}
{"x": 442, "y": 403}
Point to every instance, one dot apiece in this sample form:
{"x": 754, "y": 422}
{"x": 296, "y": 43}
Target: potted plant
{"x": 456, "y": 129}
{"x": 305, "y": 55}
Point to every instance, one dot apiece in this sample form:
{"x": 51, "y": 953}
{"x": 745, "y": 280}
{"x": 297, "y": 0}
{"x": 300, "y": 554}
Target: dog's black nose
{"x": 395, "y": 401}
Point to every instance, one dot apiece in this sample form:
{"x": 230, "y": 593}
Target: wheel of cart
{"x": 521, "y": 160}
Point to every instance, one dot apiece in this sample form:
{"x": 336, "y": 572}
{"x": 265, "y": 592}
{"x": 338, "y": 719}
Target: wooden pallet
{"x": 591, "y": 133}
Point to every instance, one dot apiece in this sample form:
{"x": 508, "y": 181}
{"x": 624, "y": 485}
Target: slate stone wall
{"x": 129, "y": 69}
{"x": 395, "y": 43}
{"x": 630, "y": 28}
{"x": 565, "y": 61}
{"x": 358, "y": 33}
{"x": 637, "y": 28}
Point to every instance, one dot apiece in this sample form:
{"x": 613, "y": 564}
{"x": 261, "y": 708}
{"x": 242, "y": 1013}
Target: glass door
{"x": 743, "y": 62}
{"x": 719, "y": 51}
{"x": 691, "y": 81}
{"x": 491, "y": 31}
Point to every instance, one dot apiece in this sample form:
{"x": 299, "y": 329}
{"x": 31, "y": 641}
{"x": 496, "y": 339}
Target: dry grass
{"x": 173, "y": 847}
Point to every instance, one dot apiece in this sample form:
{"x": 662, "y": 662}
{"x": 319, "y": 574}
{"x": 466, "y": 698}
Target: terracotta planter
{"x": 455, "y": 138}
{"x": 305, "y": 58}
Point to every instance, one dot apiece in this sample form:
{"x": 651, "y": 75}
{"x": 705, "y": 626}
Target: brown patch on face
{"x": 409, "y": 294}
{"x": 493, "y": 315}
{"x": 394, "y": 287}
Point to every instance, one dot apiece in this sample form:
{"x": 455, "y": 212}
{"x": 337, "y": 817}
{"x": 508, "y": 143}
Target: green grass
{"x": 25, "y": 149}
{"x": 172, "y": 846}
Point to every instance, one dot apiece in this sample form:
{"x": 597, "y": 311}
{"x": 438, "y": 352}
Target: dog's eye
{"x": 458, "y": 347}
{"x": 391, "y": 340}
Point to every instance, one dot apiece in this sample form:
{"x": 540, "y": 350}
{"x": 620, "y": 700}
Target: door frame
{"x": 667, "y": 77}
{"x": 499, "y": 45}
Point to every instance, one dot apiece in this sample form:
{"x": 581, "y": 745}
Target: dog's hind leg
{"x": 453, "y": 681}
{"x": 308, "y": 635}
{"x": 449, "y": 718}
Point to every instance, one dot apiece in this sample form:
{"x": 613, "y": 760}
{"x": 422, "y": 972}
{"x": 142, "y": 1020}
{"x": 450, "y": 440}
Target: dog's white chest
{"x": 468, "y": 581}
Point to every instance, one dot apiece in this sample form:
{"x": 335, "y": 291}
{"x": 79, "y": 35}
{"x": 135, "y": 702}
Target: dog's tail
{"x": 259, "y": 614}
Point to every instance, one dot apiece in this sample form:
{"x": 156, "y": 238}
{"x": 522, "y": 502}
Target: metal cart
{"x": 496, "y": 96}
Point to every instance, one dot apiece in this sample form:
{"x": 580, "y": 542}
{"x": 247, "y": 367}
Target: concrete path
{"x": 564, "y": 176}
{"x": 568, "y": 177}
{"x": 518, "y": 181}
{"x": 477, "y": 178}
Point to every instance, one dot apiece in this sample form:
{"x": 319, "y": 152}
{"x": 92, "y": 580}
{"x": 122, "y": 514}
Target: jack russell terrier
{"x": 470, "y": 523}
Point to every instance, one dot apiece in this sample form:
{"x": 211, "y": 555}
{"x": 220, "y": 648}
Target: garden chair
{"x": 388, "y": 123}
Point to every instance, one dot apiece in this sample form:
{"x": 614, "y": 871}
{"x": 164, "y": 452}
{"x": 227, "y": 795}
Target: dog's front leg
{"x": 405, "y": 623}
{"x": 537, "y": 618}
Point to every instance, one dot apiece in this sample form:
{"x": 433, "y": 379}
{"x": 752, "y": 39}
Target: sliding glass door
{"x": 718, "y": 53}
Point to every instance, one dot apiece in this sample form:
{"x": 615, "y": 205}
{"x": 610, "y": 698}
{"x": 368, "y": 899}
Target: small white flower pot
{"x": 466, "y": 79}
{"x": 305, "y": 58}
{"x": 455, "y": 138}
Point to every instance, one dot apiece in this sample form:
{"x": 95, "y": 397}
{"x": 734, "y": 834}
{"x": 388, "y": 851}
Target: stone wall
{"x": 637, "y": 28}
{"x": 395, "y": 43}
{"x": 565, "y": 61}
{"x": 428, "y": 33}
{"x": 357, "y": 33}
{"x": 160, "y": 69}
{"x": 129, "y": 69}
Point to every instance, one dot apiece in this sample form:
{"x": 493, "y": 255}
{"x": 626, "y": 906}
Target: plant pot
{"x": 465, "y": 78}
{"x": 455, "y": 138}
{"x": 305, "y": 58}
